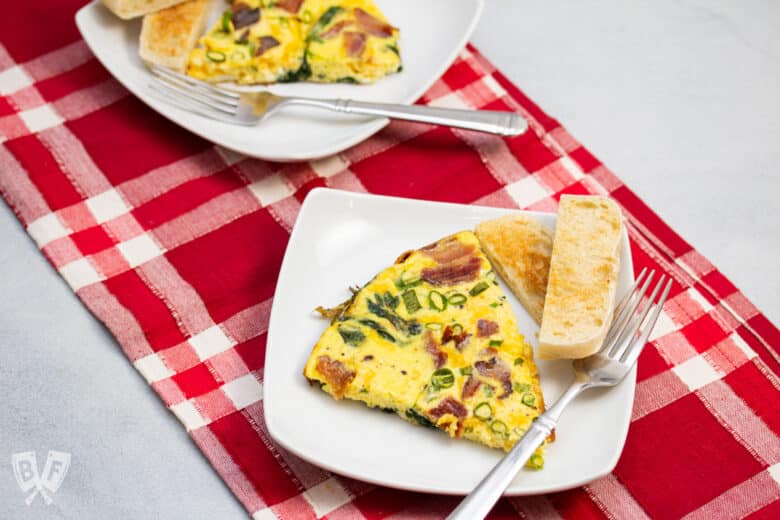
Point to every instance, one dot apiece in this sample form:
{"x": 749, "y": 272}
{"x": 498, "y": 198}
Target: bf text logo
{"x": 45, "y": 483}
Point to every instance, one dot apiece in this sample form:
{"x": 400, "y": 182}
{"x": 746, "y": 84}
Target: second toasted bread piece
{"x": 127, "y": 9}
{"x": 519, "y": 248}
{"x": 168, "y": 35}
{"x": 583, "y": 277}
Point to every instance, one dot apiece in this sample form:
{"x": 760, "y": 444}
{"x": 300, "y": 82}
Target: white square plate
{"x": 343, "y": 239}
{"x": 433, "y": 32}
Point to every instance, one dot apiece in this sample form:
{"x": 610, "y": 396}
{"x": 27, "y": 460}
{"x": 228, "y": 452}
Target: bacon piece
{"x": 496, "y": 368}
{"x": 266, "y": 43}
{"x": 448, "y": 250}
{"x": 486, "y": 328}
{"x": 457, "y": 262}
{"x": 244, "y": 15}
{"x": 354, "y": 43}
{"x": 291, "y": 6}
{"x": 452, "y": 273}
{"x": 335, "y": 30}
{"x": 372, "y": 25}
{"x": 451, "y": 406}
{"x": 461, "y": 340}
{"x": 439, "y": 356}
{"x": 336, "y": 374}
{"x": 470, "y": 387}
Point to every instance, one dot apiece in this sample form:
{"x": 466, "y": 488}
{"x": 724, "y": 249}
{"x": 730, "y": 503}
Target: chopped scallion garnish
{"x": 519, "y": 361}
{"x": 466, "y": 371}
{"x": 216, "y": 56}
{"x": 437, "y": 301}
{"x": 226, "y": 23}
{"x": 411, "y": 302}
{"x": 498, "y": 427}
{"x": 529, "y": 399}
{"x": 521, "y": 388}
{"x": 479, "y": 288}
{"x": 496, "y": 342}
{"x": 456, "y": 298}
{"x": 442, "y": 378}
{"x": 483, "y": 412}
{"x": 536, "y": 461}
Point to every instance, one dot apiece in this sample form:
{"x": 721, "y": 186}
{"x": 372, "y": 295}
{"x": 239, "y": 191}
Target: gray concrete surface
{"x": 679, "y": 98}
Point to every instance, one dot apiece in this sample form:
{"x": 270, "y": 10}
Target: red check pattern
{"x": 147, "y": 223}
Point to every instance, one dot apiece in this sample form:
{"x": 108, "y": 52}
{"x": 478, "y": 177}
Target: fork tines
{"x": 194, "y": 95}
{"x": 631, "y": 325}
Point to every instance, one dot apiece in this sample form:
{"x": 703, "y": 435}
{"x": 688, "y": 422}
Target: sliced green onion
{"x": 521, "y": 388}
{"x": 411, "y": 302}
{"x": 519, "y": 361}
{"x": 498, "y": 427}
{"x": 487, "y": 390}
{"x": 306, "y": 16}
{"x": 456, "y": 298}
{"x": 442, "y": 378}
{"x": 495, "y": 304}
{"x": 496, "y": 342}
{"x": 407, "y": 280}
{"x": 353, "y": 337}
{"x": 479, "y": 288}
{"x": 483, "y": 412}
{"x": 529, "y": 399}
{"x": 466, "y": 371}
{"x": 456, "y": 329}
{"x": 433, "y": 326}
{"x": 227, "y": 24}
{"x": 437, "y": 301}
{"x": 216, "y": 56}
{"x": 536, "y": 461}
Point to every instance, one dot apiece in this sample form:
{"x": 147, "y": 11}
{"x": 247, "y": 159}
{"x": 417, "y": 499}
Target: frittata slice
{"x": 250, "y": 45}
{"x": 350, "y": 41}
{"x": 433, "y": 339}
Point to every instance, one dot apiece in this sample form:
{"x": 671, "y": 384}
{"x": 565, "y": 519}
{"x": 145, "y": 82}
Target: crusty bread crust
{"x": 168, "y": 35}
{"x": 583, "y": 277}
{"x": 127, "y": 9}
{"x": 519, "y": 247}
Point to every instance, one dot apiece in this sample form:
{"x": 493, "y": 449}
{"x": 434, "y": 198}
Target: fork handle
{"x": 480, "y": 501}
{"x": 489, "y": 121}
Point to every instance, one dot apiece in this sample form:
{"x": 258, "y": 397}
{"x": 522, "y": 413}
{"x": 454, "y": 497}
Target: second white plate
{"x": 433, "y": 32}
{"x": 342, "y": 239}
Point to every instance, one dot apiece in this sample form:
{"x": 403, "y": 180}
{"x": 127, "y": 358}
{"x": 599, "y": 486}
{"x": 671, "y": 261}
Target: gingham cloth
{"x": 149, "y": 225}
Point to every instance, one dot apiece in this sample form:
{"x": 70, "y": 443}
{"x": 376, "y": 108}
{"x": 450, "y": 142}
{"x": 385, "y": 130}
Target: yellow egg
{"x": 262, "y": 41}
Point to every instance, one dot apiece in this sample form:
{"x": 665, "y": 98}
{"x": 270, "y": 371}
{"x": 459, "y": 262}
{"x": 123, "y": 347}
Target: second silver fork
{"x": 252, "y": 108}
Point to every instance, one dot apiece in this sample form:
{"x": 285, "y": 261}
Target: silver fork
{"x": 621, "y": 348}
{"x": 251, "y": 108}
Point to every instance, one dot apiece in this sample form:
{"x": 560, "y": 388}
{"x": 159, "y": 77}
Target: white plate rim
{"x": 433, "y": 488}
{"x": 371, "y": 128}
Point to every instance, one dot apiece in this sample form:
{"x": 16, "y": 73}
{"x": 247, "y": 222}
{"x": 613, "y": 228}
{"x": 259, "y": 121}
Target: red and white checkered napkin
{"x": 148, "y": 224}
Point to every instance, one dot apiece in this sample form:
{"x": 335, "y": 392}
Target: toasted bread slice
{"x": 519, "y": 247}
{"x": 168, "y": 35}
{"x": 127, "y": 9}
{"x": 583, "y": 277}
